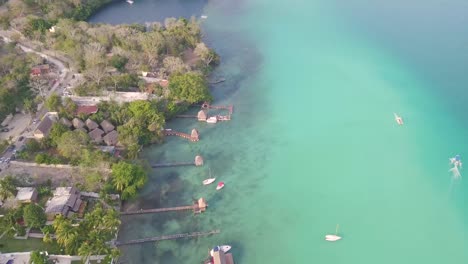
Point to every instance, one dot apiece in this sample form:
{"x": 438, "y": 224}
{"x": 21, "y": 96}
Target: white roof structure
{"x": 26, "y": 194}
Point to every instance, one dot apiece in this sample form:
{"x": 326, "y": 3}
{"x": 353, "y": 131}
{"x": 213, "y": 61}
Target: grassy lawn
{"x": 19, "y": 245}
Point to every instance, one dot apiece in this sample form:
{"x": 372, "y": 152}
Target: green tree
{"x": 7, "y": 187}
{"x": 189, "y": 87}
{"x": 29, "y": 105}
{"x": 56, "y": 133}
{"x": 66, "y": 234}
{"x": 54, "y": 102}
{"x": 34, "y": 215}
{"x": 118, "y": 62}
{"x": 72, "y": 143}
{"x": 127, "y": 178}
{"x": 38, "y": 257}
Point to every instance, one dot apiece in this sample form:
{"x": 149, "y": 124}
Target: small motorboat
{"x": 130, "y": 1}
{"x": 209, "y": 181}
{"x": 333, "y": 238}
{"x": 223, "y": 248}
{"x": 204, "y": 17}
{"x": 220, "y": 186}
{"x": 212, "y": 120}
{"x": 398, "y": 119}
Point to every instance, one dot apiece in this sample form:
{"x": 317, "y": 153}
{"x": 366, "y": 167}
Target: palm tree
{"x": 66, "y": 234}
{"x": 7, "y": 187}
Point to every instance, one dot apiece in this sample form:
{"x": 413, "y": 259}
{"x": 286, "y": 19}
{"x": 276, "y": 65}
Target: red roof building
{"x": 86, "y": 109}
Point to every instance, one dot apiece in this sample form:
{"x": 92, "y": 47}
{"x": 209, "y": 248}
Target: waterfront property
{"x": 66, "y": 201}
{"x": 197, "y": 207}
{"x": 194, "y": 135}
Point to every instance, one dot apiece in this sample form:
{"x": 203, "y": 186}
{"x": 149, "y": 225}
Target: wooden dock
{"x": 172, "y": 164}
{"x": 230, "y": 108}
{"x": 161, "y": 210}
{"x": 186, "y": 116}
{"x": 167, "y": 237}
{"x": 194, "y": 136}
{"x": 198, "y": 206}
{"x": 197, "y": 162}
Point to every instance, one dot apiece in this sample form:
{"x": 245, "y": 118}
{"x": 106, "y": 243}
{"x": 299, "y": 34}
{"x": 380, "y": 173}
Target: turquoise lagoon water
{"x": 313, "y": 142}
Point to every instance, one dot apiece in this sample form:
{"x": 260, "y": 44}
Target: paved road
{"x": 65, "y": 77}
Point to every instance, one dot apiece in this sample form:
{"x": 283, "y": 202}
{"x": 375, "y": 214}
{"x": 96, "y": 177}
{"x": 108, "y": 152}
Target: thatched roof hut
{"x": 96, "y": 135}
{"x": 198, "y": 161}
{"x": 202, "y": 204}
{"x": 194, "y": 136}
{"x": 107, "y": 126}
{"x": 77, "y": 123}
{"x": 201, "y": 115}
{"x": 112, "y": 138}
{"x": 91, "y": 124}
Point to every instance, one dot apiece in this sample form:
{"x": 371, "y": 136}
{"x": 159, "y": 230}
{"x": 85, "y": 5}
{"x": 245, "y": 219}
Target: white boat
{"x": 129, "y": 1}
{"x": 209, "y": 181}
{"x": 204, "y": 17}
{"x": 224, "y": 248}
{"x": 398, "y": 119}
{"x": 332, "y": 238}
{"x": 212, "y": 120}
{"x": 335, "y": 237}
{"x": 220, "y": 186}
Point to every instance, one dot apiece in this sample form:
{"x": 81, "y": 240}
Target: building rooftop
{"x": 86, "y": 109}
{"x": 26, "y": 194}
{"x": 107, "y": 126}
{"x": 64, "y": 200}
{"x": 91, "y": 125}
{"x": 111, "y": 138}
{"x": 45, "y": 125}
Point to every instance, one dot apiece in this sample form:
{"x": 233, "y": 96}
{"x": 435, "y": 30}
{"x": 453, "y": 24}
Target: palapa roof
{"x": 91, "y": 125}
{"x": 65, "y": 122}
{"x": 86, "y": 109}
{"x": 77, "y": 123}
{"x": 26, "y": 194}
{"x": 198, "y": 160}
{"x": 64, "y": 200}
{"x": 96, "y": 135}
{"x": 194, "y": 133}
{"x": 111, "y": 138}
{"x": 201, "y": 115}
{"x": 107, "y": 126}
{"x": 45, "y": 126}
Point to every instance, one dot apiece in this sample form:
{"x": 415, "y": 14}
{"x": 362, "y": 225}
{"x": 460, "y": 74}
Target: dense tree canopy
{"x": 127, "y": 178}
{"x": 34, "y": 216}
{"x": 72, "y": 143}
{"x": 14, "y": 79}
{"x": 54, "y": 102}
{"x": 7, "y": 187}
{"x": 91, "y": 235}
{"x": 38, "y": 257}
{"x": 189, "y": 87}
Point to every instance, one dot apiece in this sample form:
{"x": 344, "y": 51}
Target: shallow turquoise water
{"x": 313, "y": 142}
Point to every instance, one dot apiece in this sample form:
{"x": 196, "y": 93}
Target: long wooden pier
{"x": 161, "y": 210}
{"x": 194, "y": 136}
{"x": 197, "y": 162}
{"x": 167, "y": 237}
{"x": 172, "y": 164}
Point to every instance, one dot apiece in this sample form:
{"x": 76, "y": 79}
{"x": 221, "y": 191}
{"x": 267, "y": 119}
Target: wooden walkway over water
{"x": 167, "y": 237}
{"x": 197, "y": 162}
{"x": 194, "y": 136}
{"x": 161, "y": 210}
